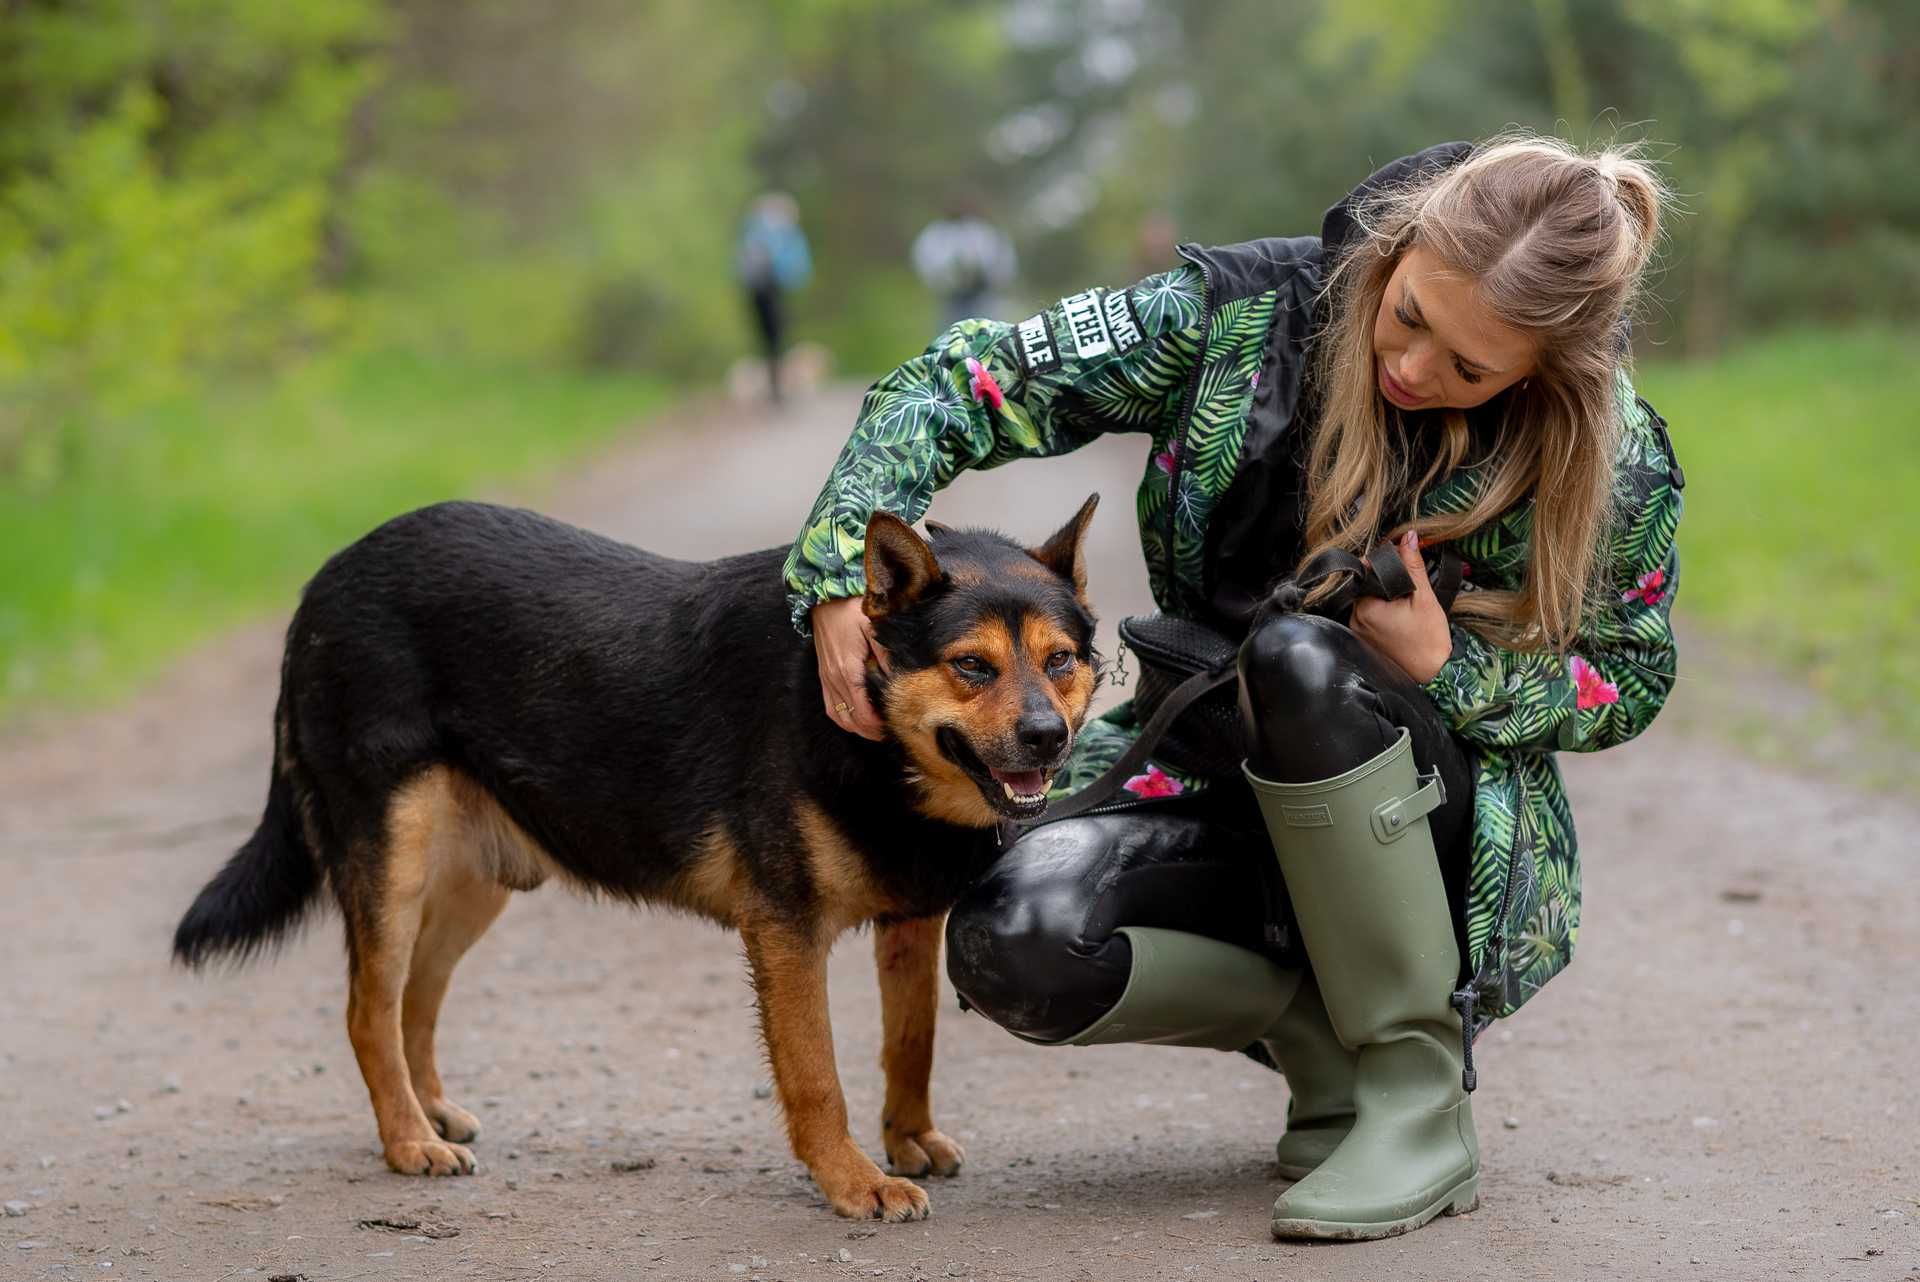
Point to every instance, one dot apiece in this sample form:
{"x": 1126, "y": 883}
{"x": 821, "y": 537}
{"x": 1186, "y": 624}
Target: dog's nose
{"x": 1042, "y": 734}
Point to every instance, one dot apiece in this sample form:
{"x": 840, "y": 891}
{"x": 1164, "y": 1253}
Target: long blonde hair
{"x": 1556, "y": 241}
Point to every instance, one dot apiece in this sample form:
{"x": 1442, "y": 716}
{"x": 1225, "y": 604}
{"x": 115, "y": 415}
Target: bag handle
{"x": 1383, "y": 575}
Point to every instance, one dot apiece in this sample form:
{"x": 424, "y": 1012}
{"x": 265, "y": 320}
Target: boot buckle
{"x": 1392, "y": 818}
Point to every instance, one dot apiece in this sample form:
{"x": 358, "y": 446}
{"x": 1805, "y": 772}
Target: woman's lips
{"x": 1397, "y": 394}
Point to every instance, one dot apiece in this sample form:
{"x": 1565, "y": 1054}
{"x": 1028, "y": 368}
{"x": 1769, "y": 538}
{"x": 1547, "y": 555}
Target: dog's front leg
{"x": 907, "y": 954}
{"x": 790, "y": 983}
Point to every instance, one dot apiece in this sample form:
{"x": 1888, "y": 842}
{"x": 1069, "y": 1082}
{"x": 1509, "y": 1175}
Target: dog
{"x": 475, "y": 699}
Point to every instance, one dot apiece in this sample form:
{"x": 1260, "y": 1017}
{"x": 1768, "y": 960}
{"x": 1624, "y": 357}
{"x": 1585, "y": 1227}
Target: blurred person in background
{"x": 770, "y": 260}
{"x": 965, "y": 260}
{"x": 1444, "y": 366}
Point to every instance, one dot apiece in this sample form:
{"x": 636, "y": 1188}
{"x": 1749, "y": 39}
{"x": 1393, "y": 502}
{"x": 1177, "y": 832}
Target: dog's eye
{"x": 1060, "y": 662}
{"x": 973, "y": 668}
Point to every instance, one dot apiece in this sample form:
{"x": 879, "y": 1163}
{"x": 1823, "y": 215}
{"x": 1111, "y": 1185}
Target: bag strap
{"x": 1382, "y": 575}
{"x": 1184, "y": 695}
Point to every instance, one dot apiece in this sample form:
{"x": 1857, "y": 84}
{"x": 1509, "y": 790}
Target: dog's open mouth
{"x": 1018, "y": 794}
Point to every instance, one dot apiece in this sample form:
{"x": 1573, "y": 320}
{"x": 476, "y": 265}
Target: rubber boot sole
{"x": 1464, "y": 1197}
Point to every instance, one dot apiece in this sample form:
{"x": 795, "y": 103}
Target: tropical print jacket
{"x": 1181, "y": 358}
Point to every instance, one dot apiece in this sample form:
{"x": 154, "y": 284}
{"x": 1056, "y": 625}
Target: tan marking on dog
{"x": 1040, "y": 639}
{"x": 918, "y": 704}
{"x": 906, "y": 953}
{"x": 498, "y": 847}
{"x": 789, "y": 969}
{"x": 844, "y": 890}
{"x": 417, "y": 816}
{"x": 715, "y": 883}
{"x": 453, "y": 858}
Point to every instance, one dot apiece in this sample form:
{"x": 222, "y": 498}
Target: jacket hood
{"x": 1340, "y": 227}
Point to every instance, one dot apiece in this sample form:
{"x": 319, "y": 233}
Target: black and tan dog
{"x": 475, "y": 698}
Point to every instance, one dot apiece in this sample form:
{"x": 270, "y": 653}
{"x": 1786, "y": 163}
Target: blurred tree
{"x": 165, "y": 170}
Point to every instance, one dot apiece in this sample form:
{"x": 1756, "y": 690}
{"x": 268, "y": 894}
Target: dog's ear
{"x": 1065, "y": 552}
{"x": 900, "y": 565}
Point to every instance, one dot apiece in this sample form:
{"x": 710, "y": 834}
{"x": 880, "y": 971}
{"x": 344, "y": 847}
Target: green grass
{"x": 215, "y": 509}
{"x": 1801, "y": 537}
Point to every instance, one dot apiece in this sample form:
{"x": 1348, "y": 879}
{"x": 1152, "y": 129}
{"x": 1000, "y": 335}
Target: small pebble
{"x": 102, "y": 1112}
{"x": 1511, "y": 1123}
{"x": 18, "y": 1207}
{"x": 1694, "y": 1260}
{"x": 843, "y": 1255}
{"x": 122, "y": 1105}
{"x": 763, "y": 1090}
{"x": 170, "y": 1084}
{"x": 736, "y": 1268}
{"x": 759, "y": 1261}
{"x": 512, "y": 1183}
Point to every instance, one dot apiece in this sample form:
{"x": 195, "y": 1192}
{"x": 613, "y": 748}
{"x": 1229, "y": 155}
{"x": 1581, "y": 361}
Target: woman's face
{"x": 1437, "y": 346}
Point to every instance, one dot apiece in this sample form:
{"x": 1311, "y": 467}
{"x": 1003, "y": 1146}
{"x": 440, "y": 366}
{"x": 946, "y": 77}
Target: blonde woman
{"x": 1445, "y": 366}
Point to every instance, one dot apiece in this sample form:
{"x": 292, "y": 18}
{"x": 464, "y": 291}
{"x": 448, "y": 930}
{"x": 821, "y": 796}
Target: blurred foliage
{"x": 1800, "y": 530}
{"x": 193, "y": 187}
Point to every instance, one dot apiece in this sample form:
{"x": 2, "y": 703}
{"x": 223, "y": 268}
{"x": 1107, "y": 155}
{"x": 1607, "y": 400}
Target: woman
{"x": 1444, "y": 365}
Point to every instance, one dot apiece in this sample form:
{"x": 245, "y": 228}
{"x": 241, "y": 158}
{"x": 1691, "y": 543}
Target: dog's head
{"x": 991, "y": 650}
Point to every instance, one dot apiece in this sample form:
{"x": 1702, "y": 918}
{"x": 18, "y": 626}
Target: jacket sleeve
{"x": 1610, "y": 684}
{"x": 985, "y": 393}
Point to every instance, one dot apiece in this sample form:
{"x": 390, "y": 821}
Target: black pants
{"x": 769, "y": 317}
{"x": 1032, "y": 946}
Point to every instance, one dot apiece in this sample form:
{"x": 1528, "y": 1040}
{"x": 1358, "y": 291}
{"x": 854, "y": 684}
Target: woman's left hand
{"x": 1412, "y": 631}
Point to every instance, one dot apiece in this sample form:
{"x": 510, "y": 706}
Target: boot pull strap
{"x": 1392, "y": 819}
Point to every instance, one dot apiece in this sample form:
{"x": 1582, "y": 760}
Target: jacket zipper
{"x": 1182, "y": 420}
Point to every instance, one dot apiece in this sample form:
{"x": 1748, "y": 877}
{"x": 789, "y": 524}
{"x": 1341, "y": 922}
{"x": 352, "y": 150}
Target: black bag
{"x": 1185, "y": 696}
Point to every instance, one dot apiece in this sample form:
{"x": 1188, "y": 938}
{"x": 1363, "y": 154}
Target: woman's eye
{"x": 1464, "y": 372}
{"x": 1400, "y": 314}
{"x": 1060, "y": 661}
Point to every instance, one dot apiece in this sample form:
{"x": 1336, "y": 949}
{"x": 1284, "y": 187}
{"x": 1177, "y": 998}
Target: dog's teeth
{"x": 1011, "y": 794}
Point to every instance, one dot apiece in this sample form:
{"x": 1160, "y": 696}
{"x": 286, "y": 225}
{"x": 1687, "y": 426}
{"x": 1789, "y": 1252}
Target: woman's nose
{"x": 1415, "y": 364}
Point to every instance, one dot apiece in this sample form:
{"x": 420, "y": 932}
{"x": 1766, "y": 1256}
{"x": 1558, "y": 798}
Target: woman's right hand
{"x": 843, "y": 639}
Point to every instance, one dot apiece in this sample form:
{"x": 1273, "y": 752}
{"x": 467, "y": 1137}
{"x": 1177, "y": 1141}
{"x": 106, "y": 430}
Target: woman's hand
{"x": 1412, "y": 631}
{"x": 843, "y": 639}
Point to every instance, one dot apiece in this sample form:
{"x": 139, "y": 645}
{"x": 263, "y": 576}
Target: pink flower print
{"x": 1591, "y": 689}
{"x": 985, "y": 388}
{"x": 1253, "y": 384}
{"x": 1166, "y": 458}
{"x": 1650, "y": 588}
{"x": 1154, "y": 783}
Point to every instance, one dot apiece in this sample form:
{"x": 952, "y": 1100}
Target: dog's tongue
{"x": 1025, "y": 782}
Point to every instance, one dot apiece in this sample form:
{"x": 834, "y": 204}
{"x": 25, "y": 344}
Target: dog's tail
{"x": 268, "y": 885}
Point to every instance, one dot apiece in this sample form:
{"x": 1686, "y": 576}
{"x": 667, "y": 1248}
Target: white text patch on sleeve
{"x": 1039, "y": 354}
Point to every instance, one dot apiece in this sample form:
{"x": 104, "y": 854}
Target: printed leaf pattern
{"x": 922, "y": 424}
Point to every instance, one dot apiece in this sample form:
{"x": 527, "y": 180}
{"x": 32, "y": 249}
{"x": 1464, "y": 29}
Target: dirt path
{"x": 1722, "y": 1087}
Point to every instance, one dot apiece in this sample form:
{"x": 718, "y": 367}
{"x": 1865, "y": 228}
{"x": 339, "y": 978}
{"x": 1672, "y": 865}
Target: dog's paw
{"x": 884, "y": 1198}
{"x": 928, "y": 1153}
{"x": 856, "y": 1188}
{"x": 430, "y": 1157}
{"x": 451, "y": 1121}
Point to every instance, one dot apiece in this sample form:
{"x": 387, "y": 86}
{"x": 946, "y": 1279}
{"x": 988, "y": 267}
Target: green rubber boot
{"x": 1188, "y": 990}
{"x": 1360, "y": 867}
{"x": 1319, "y": 1073}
